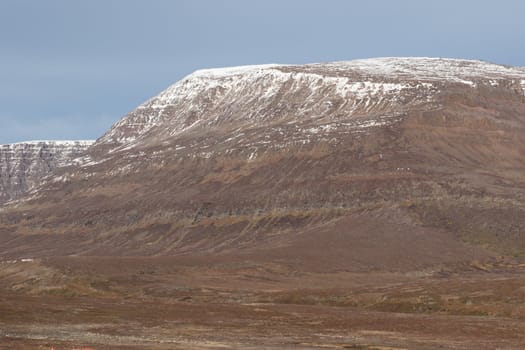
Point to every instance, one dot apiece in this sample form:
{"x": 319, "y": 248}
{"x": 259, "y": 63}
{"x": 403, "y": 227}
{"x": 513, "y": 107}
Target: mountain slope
{"x": 24, "y": 165}
{"x": 232, "y": 160}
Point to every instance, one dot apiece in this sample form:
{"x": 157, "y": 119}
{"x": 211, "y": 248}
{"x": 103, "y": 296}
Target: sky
{"x": 69, "y": 69}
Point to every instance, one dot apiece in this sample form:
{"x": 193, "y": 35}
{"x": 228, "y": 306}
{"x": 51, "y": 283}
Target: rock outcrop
{"x": 25, "y": 165}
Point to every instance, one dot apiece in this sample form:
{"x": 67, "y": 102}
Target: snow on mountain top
{"x": 229, "y": 71}
{"x": 363, "y": 84}
{"x": 427, "y": 68}
{"x": 54, "y": 142}
{"x": 344, "y": 74}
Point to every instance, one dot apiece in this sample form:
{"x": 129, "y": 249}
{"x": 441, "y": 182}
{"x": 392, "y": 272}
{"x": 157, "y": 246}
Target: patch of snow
{"x": 186, "y": 128}
{"x": 229, "y": 71}
{"x": 55, "y": 142}
{"x": 61, "y": 178}
{"x": 371, "y": 123}
{"x": 428, "y": 68}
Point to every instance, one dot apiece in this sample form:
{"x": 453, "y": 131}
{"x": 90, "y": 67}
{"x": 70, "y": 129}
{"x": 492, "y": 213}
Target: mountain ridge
{"x": 226, "y": 158}
{"x": 359, "y": 77}
{"x": 24, "y": 165}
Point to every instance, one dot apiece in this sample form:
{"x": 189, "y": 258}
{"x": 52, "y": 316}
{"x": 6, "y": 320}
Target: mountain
{"x": 369, "y": 204}
{"x": 24, "y": 165}
{"x": 226, "y": 159}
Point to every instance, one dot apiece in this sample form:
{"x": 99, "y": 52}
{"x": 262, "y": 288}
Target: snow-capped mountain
{"x": 312, "y": 98}
{"x": 227, "y": 157}
{"x": 26, "y": 164}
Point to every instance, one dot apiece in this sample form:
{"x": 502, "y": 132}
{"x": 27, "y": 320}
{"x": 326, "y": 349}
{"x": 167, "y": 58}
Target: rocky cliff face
{"x": 230, "y": 157}
{"x": 25, "y": 165}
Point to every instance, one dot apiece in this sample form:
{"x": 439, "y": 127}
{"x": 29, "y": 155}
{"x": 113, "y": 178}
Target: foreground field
{"x": 206, "y": 303}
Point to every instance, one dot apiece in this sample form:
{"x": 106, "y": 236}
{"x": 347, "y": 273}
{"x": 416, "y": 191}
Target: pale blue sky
{"x": 69, "y": 69}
